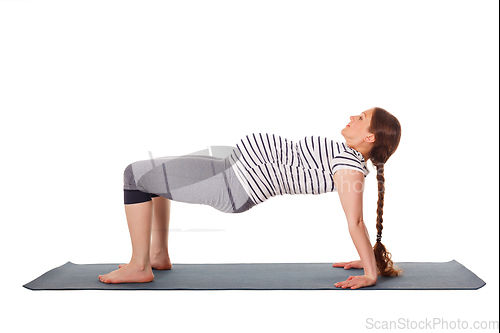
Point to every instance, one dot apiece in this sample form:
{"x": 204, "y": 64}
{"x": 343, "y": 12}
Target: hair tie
{"x": 379, "y": 239}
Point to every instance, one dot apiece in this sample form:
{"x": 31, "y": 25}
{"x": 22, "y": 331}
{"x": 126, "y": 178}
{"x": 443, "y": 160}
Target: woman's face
{"x": 357, "y": 130}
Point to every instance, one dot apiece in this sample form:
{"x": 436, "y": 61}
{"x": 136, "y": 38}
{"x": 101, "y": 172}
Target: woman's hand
{"x": 349, "y": 265}
{"x": 355, "y": 282}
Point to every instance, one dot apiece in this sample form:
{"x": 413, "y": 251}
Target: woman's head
{"x": 376, "y": 134}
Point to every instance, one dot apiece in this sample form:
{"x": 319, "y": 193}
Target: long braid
{"x": 387, "y": 131}
{"x": 380, "y": 202}
{"x": 382, "y": 256}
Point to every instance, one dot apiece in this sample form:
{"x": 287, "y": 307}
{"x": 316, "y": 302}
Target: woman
{"x": 259, "y": 167}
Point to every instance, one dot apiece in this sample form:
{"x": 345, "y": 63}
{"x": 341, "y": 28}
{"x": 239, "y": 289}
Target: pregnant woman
{"x": 259, "y": 167}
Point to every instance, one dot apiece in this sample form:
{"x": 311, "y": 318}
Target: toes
{"x": 105, "y": 278}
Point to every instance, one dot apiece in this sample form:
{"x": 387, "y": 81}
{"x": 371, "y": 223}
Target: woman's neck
{"x": 365, "y": 151}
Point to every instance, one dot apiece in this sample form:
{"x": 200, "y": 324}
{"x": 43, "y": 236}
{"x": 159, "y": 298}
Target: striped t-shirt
{"x": 268, "y": 165}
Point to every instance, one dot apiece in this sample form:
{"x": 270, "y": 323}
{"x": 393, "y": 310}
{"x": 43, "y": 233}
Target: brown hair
{"x": 387, "y": 131}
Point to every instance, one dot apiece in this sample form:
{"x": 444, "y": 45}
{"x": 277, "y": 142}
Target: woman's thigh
{"x": 193, "y": 179}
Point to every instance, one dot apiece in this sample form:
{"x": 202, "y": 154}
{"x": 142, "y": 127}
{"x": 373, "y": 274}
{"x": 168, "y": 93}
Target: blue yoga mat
{"x": 281, "y": 276}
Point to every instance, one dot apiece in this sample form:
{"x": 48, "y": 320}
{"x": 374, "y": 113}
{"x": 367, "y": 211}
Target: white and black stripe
{"x": 268, "y": 165}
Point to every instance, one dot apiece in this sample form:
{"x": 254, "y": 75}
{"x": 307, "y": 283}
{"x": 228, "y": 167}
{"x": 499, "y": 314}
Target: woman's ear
{"x": 370, "y": 138}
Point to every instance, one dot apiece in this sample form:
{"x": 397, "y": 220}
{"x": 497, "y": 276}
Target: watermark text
{"x": 430, "y": 324}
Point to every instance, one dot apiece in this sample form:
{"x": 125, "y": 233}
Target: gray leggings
{"x": 193, "y": 179}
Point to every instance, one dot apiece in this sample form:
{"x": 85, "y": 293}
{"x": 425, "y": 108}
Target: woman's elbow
{"x": 355, "y": 222}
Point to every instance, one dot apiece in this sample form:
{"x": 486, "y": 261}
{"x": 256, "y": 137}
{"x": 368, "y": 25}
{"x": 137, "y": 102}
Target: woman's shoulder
{"x": 354, "y": 156}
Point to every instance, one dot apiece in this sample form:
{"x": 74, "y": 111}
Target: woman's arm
{"x": 350, "y": 186}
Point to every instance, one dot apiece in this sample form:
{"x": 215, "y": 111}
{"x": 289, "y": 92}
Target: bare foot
{"x": 159, "y": 260}
{"x": 128, "y": 274}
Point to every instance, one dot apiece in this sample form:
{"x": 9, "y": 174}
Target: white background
{"x": 87, "y": 87}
